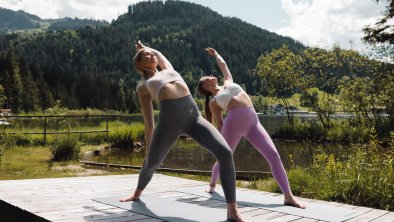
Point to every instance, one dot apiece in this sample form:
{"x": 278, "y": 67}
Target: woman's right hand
{"x": 139, "y": 45}
{"x": 211, "y": 51}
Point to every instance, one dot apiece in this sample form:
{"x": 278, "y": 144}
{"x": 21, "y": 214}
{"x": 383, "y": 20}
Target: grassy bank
{"x": 362, "y": 177}
{"x": 341, "y": 130}
{"x": 33, "y": 162}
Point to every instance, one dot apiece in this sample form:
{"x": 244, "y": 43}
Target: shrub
{"x": 64, "y": 149}
{"x": 363, "y": 177}
{"x": 125, "y": 135}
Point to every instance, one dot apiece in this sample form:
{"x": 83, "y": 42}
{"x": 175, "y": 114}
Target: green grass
{"x": 33, "y": 163}
{"x": 119, "y": 131}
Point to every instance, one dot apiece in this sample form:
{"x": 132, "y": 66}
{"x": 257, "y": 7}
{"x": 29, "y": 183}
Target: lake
{"x": 187, "y": 154}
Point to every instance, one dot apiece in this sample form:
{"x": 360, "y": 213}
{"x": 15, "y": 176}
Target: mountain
{"x": 92, "y": 67}
{"x": 15, "y": 20}
{"x": 19, "y": 20}
{"x": 69, "y": 23}
{"x": 190, "y": 27}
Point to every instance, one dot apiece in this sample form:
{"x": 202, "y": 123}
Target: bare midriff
{"x": 174, "y": 90}
{"x": 242, "y": 100}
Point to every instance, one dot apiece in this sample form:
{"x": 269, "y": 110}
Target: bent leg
{"x": 210, "y": 138}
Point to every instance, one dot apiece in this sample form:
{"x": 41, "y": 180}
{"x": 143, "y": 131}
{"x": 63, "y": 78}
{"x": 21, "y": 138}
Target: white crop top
{"x": 224, "y": 97}
{"x": 157, "y": 82}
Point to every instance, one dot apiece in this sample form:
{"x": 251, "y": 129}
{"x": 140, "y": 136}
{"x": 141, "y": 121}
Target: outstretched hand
{"x": 211, "y": 51}
{"x": 139, "y": 45}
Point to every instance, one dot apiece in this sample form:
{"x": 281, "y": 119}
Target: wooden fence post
{"x": 107, "y": 127}
{"x": 45, "y": 130}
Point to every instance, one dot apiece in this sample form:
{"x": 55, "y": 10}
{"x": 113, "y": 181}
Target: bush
{"x": 125, "y": 135}
{"x": 66, "y": 148}
{"x": 310, "y": 130}
{"x": 347, "y": 131}
{"x": 340, "y": 130}
{"x": 301, "y": 182}
{"x": 363, "y": 177}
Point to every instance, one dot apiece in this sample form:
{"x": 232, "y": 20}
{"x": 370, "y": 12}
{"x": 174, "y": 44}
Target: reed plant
{"x": 363, "y": 177}
{"x": 340, "y": 131}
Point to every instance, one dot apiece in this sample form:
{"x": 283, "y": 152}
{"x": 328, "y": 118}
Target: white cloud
{"x": 96, "y": 9}
{"x": 41, "y": 8}
{"x": 323, "y": 23}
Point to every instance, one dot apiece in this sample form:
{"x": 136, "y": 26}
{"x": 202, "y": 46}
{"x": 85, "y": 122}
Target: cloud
{"x": 323, "y": 23}
{"x": 96, "y": 9}
{"x": 41, "y": 8}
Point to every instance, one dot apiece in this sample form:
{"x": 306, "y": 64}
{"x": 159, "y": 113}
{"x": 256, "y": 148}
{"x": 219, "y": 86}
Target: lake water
{"x": 187, "y": 154}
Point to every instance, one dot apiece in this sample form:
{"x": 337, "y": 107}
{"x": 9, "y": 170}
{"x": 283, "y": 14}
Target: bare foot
{"x": 233, "y": 213}
{"x": 129, "y": 198}
{"x": 294, "y": 203}
{"x": 134, "y": 196}
{"x": 211, "y": 188}
{"x": 237, "y": 218}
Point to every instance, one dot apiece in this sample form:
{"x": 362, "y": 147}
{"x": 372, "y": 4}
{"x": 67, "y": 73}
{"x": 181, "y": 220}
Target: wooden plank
{"x": 285, "y": 218}
{"x": 305, "y": 220}
{"x": 270, "y": 215}
{"x": 70, "y": 199}
{"x": 368, "y": 216}
{"x": 388, "y": 217}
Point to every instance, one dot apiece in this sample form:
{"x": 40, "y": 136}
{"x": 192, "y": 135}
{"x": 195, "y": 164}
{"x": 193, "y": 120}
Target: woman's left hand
{"x": 211, "y": 51}
{"x": 139, "y": 45}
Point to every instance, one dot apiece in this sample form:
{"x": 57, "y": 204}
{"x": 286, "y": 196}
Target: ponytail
{"x": 202, "y": 91}
{"x": 208, "y": 113}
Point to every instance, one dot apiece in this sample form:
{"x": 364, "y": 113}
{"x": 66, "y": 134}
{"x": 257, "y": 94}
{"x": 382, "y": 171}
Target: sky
{"x": 316, "y": 23}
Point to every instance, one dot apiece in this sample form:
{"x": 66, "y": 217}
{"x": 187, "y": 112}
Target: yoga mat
{"x": 169, "y": 210}
{"x": 275, "y": 203}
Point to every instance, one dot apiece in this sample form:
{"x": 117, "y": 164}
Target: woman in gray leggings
{"x": 178, "y": 115}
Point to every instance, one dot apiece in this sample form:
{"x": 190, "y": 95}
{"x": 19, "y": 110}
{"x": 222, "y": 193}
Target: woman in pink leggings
{"x": 241, "y": 121}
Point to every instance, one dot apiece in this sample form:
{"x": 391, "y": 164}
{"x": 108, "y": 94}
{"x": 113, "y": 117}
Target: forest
{"x": 91, "y": 66}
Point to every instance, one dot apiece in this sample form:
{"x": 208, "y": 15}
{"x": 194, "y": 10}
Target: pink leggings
{"x": 243, "y": 122}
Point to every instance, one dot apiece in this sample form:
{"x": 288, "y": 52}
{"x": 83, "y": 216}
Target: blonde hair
{"x": 137, "y": 58}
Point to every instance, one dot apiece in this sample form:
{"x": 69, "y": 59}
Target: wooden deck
{"x": 70, "y": 199}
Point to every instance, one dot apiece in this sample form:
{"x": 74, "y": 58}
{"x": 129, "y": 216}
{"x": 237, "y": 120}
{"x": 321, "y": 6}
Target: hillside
{"x": 20, "y": 20}
{"x": 91, "y": 67}
{"x": 16, "y": 20}
{"x": 69, "y": 23}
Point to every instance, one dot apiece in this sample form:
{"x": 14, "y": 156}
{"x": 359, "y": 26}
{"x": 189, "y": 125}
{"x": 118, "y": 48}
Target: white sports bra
{"x": 161, "y": 78}
{"x": 224, "y": 97}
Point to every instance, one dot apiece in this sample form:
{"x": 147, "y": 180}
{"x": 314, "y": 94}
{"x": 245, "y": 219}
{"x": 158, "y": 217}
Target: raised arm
{"x": 147, "y": 112}
{"x": 163, "y": 61}
{"x": 222, "y": 65}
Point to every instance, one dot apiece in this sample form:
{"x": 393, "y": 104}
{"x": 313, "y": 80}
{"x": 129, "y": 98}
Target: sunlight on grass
{"x": 33, "y": 163}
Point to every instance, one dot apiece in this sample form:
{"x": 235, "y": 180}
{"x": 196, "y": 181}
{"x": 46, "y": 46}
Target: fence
{"x": 45, "y": 119}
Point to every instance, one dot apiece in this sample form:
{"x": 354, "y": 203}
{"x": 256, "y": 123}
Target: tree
{"x": 281, "y": 73}
{"x": 10, "y": 78}
{"x": 382, "y": 31}
{"x": 2, "y": 95}
{"x": 381, "y": 34}
{"x": 30, "y": 99}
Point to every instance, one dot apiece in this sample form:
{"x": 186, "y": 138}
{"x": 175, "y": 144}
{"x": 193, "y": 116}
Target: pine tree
{"x": 12, "y": 82}
{"x": 30, "y": 97}
{"x": 2, "y": 95}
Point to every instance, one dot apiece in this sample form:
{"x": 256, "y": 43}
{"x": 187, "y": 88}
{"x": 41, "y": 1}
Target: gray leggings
{"x": 178, "y": 116}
